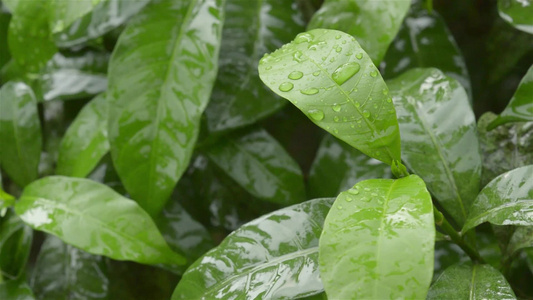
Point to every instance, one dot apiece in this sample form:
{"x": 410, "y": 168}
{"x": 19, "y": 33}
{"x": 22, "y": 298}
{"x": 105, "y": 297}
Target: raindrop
{"x": 286, "y": 86}
{"x": 374, "y": 73}
{"x": 295, "y": 75}
{"x": 354, "y": 191}
{"x": 359, "y": 55}
{"x": 336, "y": 119}
{"x": 366, "y": 113}
{"x": 357, "y": 104}
{"x": 303, "y": 38}
{"x": 268, "y": 68}
{"x": 339, "y": 207}
{"x": 338, "y": 36}
{"x": 336, "y": 107}
{"x": 316, "y": 73}
{"x": 374, "y": 195}
{"x": 312, "y": 47}
{"x": 338, "y": 50}
{"x": 344, "y": 42}
{"x": 349, "y": 199}
{"x": 332, "y": 59}
{"x": 297, "y": 56}
{"x": 335, "y": 130}
{"x": 310, "y": 91}
{"x": 345, "y": 72}
{"x": 385, "y": 92}
{"x": 389, "y": 99}
{"x": 324, "y": 58}
{"x": 316, "y": 114}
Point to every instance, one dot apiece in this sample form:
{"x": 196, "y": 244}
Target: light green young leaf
{"x": 327, "y": 75}
{"x": 520, "y": 107}
{"x": 20, "y": 133}
{"x": 338, "y": 166}
{"x": 467, "y": 281}
{"x": 272, "y": 257}
{"x": 65, "y": 272}
{"x": 252, "y": 28}
{"x": 373, "y": 23}
{"x": 440, "y": 143}
{"x": 159, "y": 84}
{"x": 15, "y": 245}
{"x": 517, "y": 13}
{"x": 16, "y": 290}
{"x": 85, "y": 141}
{"x": 260, "y": 164}
{"x": 378, "y": 241}
{"x": 506, "y": 200}
{"x": 91, "y": 216}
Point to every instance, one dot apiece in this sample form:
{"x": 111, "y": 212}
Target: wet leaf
{"x": 259, "y": 163}
{"x": 5, "y": 56}
{"x": 522, "y": 238}
{"x": 373, "y": 23}
{"x": 63, "y": 272}
{"x": 16, "y": 290}
{"x": 447, "y": 254}
{"x": 159, "y": 84}
{"x": 85, "y": 142}
{"x": 252, "y": 28}
{"x": 506, "y": 200}
{"x": 20, "y": 133}
{"x": 467, "y": 281}
{"x": 338, "y": 166}
{"x": 439, "y": 137}
{"x": 327, "y": 75}
{"x": 378, "y": 241}
{"x": 64, "y": 13}
{"x": 517, "y": 13}
{"x": 93, "y": 217}
{"x": 520, "y": 107}
{"x": 15, "y": 245}
{"x": 273, "y": 257}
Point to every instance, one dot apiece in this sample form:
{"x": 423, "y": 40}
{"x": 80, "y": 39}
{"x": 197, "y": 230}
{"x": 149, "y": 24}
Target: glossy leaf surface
{"x": 252, "y": 28}
{"x": 16, "y": 290}
{"x": 439, "y": 136}
{"x": 373, "y": 23}
{"x": 85, "y": 142}
{"x": 506, "y": 200}
{"x": 378, "y": 241}
{"x": 260, "y": 164}
{"x": 272, "y": 257}
{"x": 5, "y": 18}
{"x": 467, "y": 281}
{"x": 15, "y": 245}
{"x": 20, "y": 132}
{"x": 329, "y": 77}
{"x": 64, "y": 13}
{"x": 64, "y": 272}
{"x": 517, "y": 13}
{"x": 338, "y": 166}
{"x": 424, "y": 41}
{"x": 522, "y": 238}
{"x": 520, "y": 107}
{"x": 504, "y": 148}
{"x": 160, "y": 83}
{"x": 93, "y": 217}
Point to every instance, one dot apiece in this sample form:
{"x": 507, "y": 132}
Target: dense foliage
{"x": 266, "y": 149}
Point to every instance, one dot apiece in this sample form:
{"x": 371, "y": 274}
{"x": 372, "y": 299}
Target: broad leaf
{"x": 506, "y": 200}
{"x": 273, "y": 257}
{"x": 378, "y": 241}
{"x": 16, "y": 290}
{"x": 92, "y": 217}
{"x": 439, "y": 137}
{"x": 20, "y": 133}
{"x": 522, "y": 238}
{"x": 252, "y": 29}
{"x": 5, "y": 56}
{"x": 64, "y": 13}
{"x": 447, "y": 254}
{"x": 327, "y": 75}
{"x": 15, "y": 245}
{"x": 467, "y": 281}
{"x": 159, "y": 84}
{"x": 504, "y": 148}
{"x": 520, "y": 107}
{"x": 338, "y": 166}
{"x": 259, "y": 164}
{"x": 6, "y": 200}
{"x": 64, "y": 272}
{"x": 517, "y": 13}
{"x": 425, "y": 41}
{"x": 85, "y": 142}
{"x": 373, "y": 23}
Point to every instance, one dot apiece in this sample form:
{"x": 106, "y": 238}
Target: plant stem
{"x": 456, "y": 237}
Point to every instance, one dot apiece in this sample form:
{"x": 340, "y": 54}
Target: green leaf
{"x": 20, "y": 133}
{"x": 520, "y": 107}
{"x": 5, "y": 56}
{"x": 447, "y": 254}
{"x": 373, "y": 23}
{"x": 16, "y": 290}
{"x": 338, "y": 166}
{"x": 275, "y": 256}
{"x": 506, "y": 200}
{"x": 504, "y": 148}
{"x": 517, "y": 13}
{"x": 252, "y": 29}
{"x": 378, "y": 241}
{"x": 29, "y": 38}
{"x": 327, "y": 75}
{"x": 467, "y": 281}
{"x": 6, "y": 200}
{"x": 260, "y": 164}
{"x": 15, "y": 245}
{"x": 439, "y": 137}
{"x": 91, "y": 216}
{"x": 85, "y": 142}
{"x": 522, "y": 238}
{"x": 425, "y": 41}
{"x": 159, "y": 84}
{"x": 64, "y": 13}
{"x": 65, "y": 272}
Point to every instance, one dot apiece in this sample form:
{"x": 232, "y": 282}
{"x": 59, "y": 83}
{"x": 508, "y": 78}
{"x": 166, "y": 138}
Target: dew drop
{"x": 374, "y": 73}
{"x": 335, "y": 131}
{"x": 349, "y": 199}
{"x": 338, "y": 50}
{"x": 357, "y": 104}
{"x": 286, "y": 86}
{"x": 336, "y": 107}
{"x": 354, "y": 191}
{"x": 385, "y": 92}
{"x": 316, "y": 73}
{"x": 338, "y": 36}
{"x": 359, "y": 55}
{"x": 374, "y": 195}
{"x": 336, "y": 119}
{"x": 366, "y": 113}
{"x": 332, "y": 59}
{"x": 295, "y": 75}
{"x": 303, "y": 38}
{"x": 344, "y": 42}
{"x": 312, "y": 47}
{"x": 389, "y": 99}
{"x": 324, "y": 58}
{"x": 345, "y": 72}
{"x": 340, "y": 207}
{"x": 316, "y": 114}
{"x": 310, "y": 91}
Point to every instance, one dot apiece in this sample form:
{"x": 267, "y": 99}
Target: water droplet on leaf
{"x": 286, "y": 86}
{"x": 374, "y": 73}
{"x": 295, "y": 75}
{"x": 366, "y": 113}
{"x": 345, "y": 72}
{"x": 310, "y": 91}
{"x": 303, "y": 38}
{"x": 316, "y": 114}
{"x": 359, "y": 55}
{"x": 336, "y": 107}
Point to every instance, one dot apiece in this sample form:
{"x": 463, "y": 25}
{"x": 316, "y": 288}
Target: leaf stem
{"x": 456, "y": 237}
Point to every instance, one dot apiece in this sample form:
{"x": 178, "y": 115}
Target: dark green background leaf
{"x": 16, "y": 290}
{"x": 15, "y": 245}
